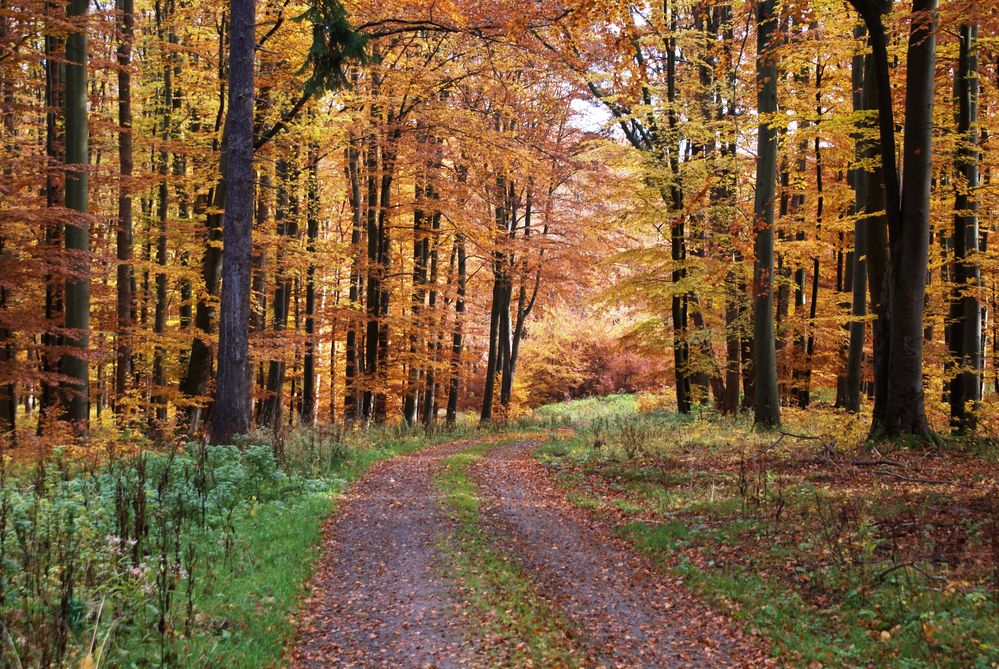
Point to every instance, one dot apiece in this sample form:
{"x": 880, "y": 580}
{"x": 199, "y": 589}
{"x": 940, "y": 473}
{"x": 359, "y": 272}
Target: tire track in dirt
{"x": 631, "y": 614}
{"x": 378, "y": 598}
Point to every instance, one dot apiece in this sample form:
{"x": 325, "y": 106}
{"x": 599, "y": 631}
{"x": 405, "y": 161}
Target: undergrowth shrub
{"x": 102, "y": 563}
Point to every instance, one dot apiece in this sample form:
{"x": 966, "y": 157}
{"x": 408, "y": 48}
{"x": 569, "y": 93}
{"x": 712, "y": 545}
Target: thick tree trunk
{"x": 123, "y": 348}
{"x": 966, "y": 311}
{"x": 74, "y": 365}
{"x": 199, "y": 365}
{"x": 54, "y": 197}
{"x": 8, "y": 357}
{"x": 767, "y": 409}
{"x": 231, "y": 412}
{"x": 909, "y": 245}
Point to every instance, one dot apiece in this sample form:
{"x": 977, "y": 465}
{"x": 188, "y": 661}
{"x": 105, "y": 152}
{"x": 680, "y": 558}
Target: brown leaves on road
{"x": 632, "y": 615}
{"x": 381, "y": 599}
{"x": 377, "y": 599}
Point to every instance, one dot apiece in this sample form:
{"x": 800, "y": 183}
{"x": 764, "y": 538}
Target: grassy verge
{"x": 520, "y": 629}
{"x": 247, "y": 615}
{"x": 196, "y": 557}
{"x": 838, "y": 564}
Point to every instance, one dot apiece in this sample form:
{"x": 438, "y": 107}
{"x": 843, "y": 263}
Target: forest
{"x": 297, "y": 295}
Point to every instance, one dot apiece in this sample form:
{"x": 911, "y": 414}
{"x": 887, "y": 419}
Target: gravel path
{"x": 628, "y": 612}
{"x": 378, "y": 598}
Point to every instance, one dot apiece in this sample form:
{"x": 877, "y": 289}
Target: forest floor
{"x": 467, "y": 554}
{"x": 623, "y": 538}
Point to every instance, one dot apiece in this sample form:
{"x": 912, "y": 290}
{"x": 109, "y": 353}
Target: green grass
{"x": 248, "y": 609}
{"x": 590, "y": 408}
{"x": 248, "y": 614}
{"x": 519, "y": 626}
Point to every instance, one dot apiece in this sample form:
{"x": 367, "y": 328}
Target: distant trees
{"x": 371, "y": 217}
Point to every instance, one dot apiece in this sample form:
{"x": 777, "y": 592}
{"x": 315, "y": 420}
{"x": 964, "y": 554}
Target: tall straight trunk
{"x": 523, "y": 309}
{"x": 733, "y": 360}
{"x": 352, "y": 352}
{"x": 54, "y": 196}
{"x": 767, "y": 409}
{"x": 909, "y": 243}
{"x": 966, "y": 310}
{"x": 379, "y": 411}
{"x": 457, "y": 334}
{"x": 860, "y": 179}
{"x": 679, "y": 304}
{"x": 163, "y": 212}
{"x": 77, "y": 306}
{"x": 199, "y": 363}
{"x": 258, "y": 278}
{"x": 433, "y": 336}
{"x": 500, "y": 301}
{"x": 373, "y": 284}
{"x": 287, "y": 230}
{"x": 123, "y": 246}
{"x": 8, "y": 389}
{"x": 308, "y": 413}
{"x": 876, "y": 208}
{"x": 421, "y": 241}
{"x": 735, "y": 293}
{"x": 805, "y": 386}
{"x": 231, "y": 411}
{"x": 880, "y": 257}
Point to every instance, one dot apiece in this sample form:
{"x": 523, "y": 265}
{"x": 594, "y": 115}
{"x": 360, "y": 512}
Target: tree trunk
{"x": 312, "y": 234}
{"x": 433, "y": 340}
{"x": 158, "y": 419}
{"x": 421, "y": 241}
{"x": 287, "y": 230}
{"x": 374, "y": 278}
{"x": 909, "y": 244}
{"x": 8, "y": 357}
{"x": 767, "y": 409}
{"x": 231, "y": 412}
{"x": 454, "y": 384}
{"x": 54, "y": 139}
{"x": 74, "y": 365}
{"x": 862, "y": 82}
{"x": 353, "y": 353}
{"x": 123, "y": 350}
{"x": 966, "y": 311}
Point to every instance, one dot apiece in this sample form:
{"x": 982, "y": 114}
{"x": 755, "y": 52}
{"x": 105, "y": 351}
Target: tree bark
{"x": 287, "y": 230}
{"x": 352, "y": 369}
{"x": 77, "y": 305}
{"x": 909, "y": 244}
{"x": 767, "y": 409}
{"x": 231, "y": 412}
{"x": 862, "y": 82}
{"x": 308, "y": 413}
{"x": 457, "y": 335}
{"x": 123, "y": 246}
{"x": 966, "y": 310}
